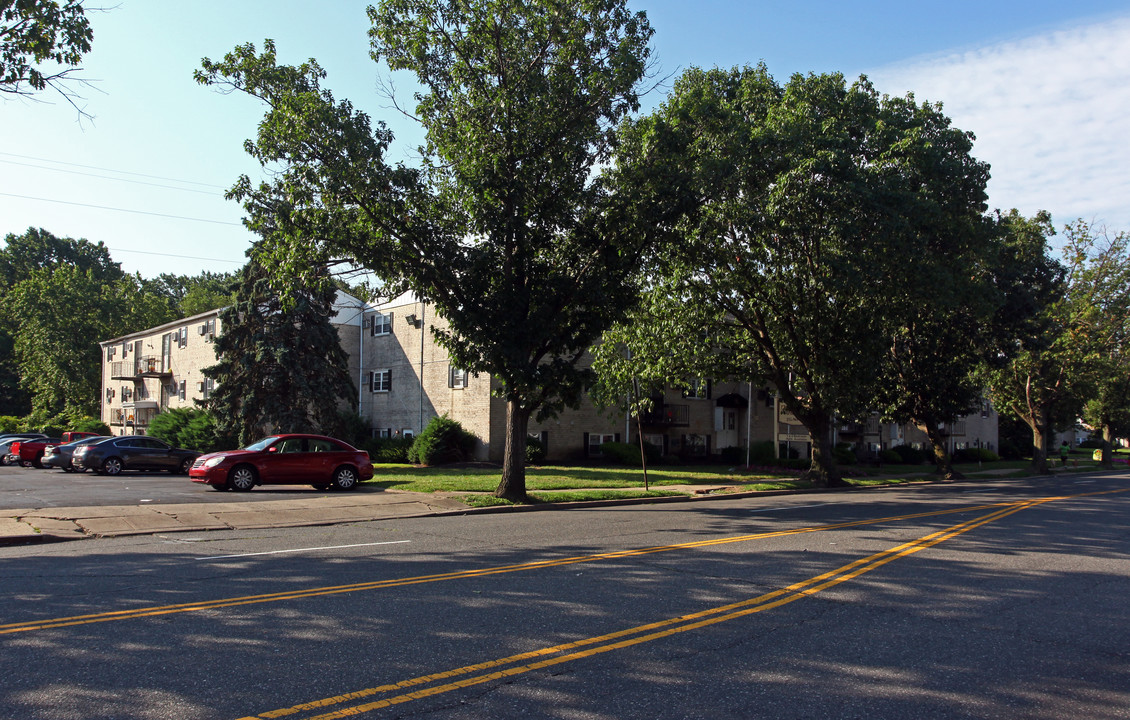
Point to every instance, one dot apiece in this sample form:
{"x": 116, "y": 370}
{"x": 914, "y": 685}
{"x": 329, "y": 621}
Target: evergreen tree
{"x": 281, "y": 365}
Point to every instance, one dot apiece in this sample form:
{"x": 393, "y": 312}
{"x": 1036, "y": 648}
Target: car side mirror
{"x": 272, "y": 449}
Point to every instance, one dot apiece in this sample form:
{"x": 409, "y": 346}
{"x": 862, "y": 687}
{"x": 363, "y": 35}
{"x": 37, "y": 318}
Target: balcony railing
{"x": 667, "y": 415}
{"x": 141, "y": 367}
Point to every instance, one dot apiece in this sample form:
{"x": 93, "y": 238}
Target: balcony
{"x": 667, "y": 416}
{"x": 142, "y": 367}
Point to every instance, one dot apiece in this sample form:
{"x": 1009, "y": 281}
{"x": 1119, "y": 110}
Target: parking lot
{"x": 31, "y": 488}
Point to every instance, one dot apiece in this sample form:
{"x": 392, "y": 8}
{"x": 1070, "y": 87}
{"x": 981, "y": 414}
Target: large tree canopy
{"x": 41, "y": 44}
{"x": 1070, "y": 351}
{"x": 60, "y": 297}
{"x": 507, "y": 226}
{"x": 821, "y": 209}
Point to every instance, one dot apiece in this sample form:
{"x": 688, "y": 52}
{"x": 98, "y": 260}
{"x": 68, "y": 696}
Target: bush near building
{"x": 443, "y": 441}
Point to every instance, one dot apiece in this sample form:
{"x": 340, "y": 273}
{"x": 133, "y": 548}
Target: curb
{"x": 29, "y": 535}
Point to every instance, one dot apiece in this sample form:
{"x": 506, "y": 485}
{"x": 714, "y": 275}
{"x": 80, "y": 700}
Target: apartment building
{"x": 405, "y": 378}
{"x": 161, "y": 368}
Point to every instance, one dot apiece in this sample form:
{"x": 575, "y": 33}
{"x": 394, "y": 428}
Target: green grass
{"x": 551, "y": 477}
{"x": 554, "y": 484}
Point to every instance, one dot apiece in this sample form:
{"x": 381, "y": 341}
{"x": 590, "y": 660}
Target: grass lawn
{"x": 551, "y": 483}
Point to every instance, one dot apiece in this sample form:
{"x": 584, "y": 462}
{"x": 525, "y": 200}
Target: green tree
{"x": 818, "y": 204}
{"x": 944, "y": 332}
{"x": 193, "y": 294}
{"x": 1107, "y": 408}
{"x": 508, "y": 226}
{"x": 281, "y": 367}
{"x": 1061, "y": 352}
{"x": 60, "y": 316}
{"x": 41, "y": 44}
{"x": 60, "y": 297}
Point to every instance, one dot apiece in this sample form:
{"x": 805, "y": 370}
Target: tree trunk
{"x": 823, "y": 472}
{"x": 513, "y": 484}
{"x": 1040, "y": 434}
{"x": 942, "y": 458}
{"x": 1108, "y": 448}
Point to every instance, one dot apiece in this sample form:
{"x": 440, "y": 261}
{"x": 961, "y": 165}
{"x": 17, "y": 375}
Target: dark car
{"x": 7, "y": 440}
{"x": 132, "y": 452}
{"x": 290, "y": 459}
{"x": 60, "y": 455}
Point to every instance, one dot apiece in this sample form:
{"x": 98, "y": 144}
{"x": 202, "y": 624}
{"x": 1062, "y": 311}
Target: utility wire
{"x": 185, "y": 257}
{"x": 125, "y": 210}
{"x": 211, "y": 193}
{"x": 120, "y": 172}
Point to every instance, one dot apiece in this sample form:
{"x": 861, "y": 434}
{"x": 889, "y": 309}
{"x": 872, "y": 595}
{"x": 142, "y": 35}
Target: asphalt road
{"x": 1001, "y": 600}
{"x": 31, "y": 488}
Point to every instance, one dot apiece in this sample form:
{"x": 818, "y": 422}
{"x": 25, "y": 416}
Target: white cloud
{"x": 1051, "y": 114}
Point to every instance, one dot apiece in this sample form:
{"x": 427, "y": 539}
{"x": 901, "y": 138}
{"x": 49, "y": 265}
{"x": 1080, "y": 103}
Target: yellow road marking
{"x": 636, "y": 635}
{"x": 157, "y": 611}
{"x": 457, "y": 575}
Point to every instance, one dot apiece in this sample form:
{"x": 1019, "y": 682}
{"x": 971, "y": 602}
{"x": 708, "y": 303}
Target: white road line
{"x": 790, "y": 507}
{"x": 313, "y": 549}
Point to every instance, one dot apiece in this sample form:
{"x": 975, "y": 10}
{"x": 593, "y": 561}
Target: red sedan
{"x": 288, "y": 459}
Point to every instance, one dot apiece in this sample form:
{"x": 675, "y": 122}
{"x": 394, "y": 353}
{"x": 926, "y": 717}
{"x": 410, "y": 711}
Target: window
{"x": 382, "y": 432}
{"x": 456, "y": 377}
{"x": 697, "y": 388}
{"x": 593, "y": 441}
{"x": 406, "y": 433}
{"x": 182, "y": 391}
{"x": 380, "y": 381}
{"x": 380, "y": 324}
{"x": 207, "y": 387}
{"x": 182, "y": 337}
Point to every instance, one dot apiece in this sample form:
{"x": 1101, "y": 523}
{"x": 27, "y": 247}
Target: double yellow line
{"x": 558, "y": 654}
{"x": 154, "y": 611}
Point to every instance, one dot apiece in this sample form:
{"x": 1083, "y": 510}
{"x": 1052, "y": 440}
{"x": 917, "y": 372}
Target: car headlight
{"x": 213, "y": 461}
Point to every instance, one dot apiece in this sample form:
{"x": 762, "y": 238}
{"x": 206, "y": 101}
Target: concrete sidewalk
{"x": 21, "y": 526}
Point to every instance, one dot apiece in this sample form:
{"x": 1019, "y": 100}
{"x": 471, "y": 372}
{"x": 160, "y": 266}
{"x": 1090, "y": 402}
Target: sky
{"x": 1044, "y": 86}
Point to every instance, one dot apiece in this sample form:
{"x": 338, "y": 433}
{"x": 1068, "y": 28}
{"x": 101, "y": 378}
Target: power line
{"x": 185, "y": 257}
{"x": 120, "y": 172}
{"x": 211, "y": 193}
{"x": 125, "y": 210}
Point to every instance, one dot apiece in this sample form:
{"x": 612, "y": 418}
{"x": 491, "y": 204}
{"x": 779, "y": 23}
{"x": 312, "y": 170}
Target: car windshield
{"x": 261, "y": 444}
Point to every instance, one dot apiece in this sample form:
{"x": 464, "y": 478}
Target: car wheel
{"x": 241, "y": 478}
{"x": 345, "y": 478}
{"x": 67, "y": 469}
{"x": 320, "y": 486}
{"x": 25, "y": 463}
{"x": 37, "y": 463}
{"x": 112, "y": 466}
{"x": 184, "y": 467}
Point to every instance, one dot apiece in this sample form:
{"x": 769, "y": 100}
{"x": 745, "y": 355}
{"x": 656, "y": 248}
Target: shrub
{"x": 189, "y": 428}
{"x": 844, "y": 454}
{"x": 535, "y": 451}
{"x": 733, "y": 455}
{"x": 444, "y": 440}
{"x": 9, "y": 424}
{"x": 890, "y": 457}
{"x": 762, "y": 453}
{"x": 622, "y": 453}
{"x": 89, "y": 424}
{"x": 972, "y": 455}
{"x": 1091, "y": 443}
{"x": 909, "y": 455}
{"x": 387, "y": 450}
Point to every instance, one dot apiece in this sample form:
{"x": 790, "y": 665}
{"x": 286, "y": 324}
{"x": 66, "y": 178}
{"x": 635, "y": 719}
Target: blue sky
{"x": 1045, "y": 86}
